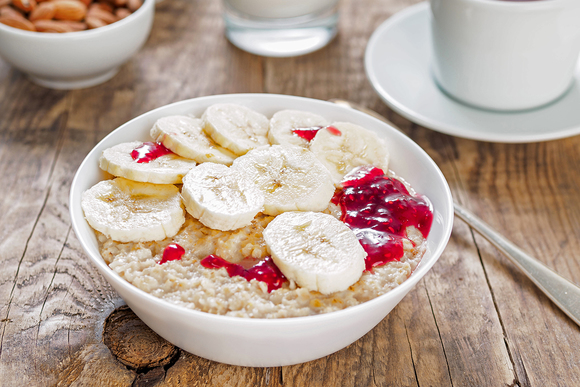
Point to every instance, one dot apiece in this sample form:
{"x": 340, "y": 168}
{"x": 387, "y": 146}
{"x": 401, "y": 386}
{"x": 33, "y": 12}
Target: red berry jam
{"x": 172, "y": 252}
{"x": 307, "y": 133}
{"x": 334, "y": 130}
{"x": 148, "y": 152}
{"x": 379, "y": 209}
{"x": 265, "y": 271}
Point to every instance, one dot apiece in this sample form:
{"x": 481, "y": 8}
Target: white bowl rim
{"x": 403, "y": 288}
{"x": 57, "y": 36}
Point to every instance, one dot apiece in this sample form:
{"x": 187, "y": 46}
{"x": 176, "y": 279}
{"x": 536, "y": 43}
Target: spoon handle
{"x": 562, "y": 292}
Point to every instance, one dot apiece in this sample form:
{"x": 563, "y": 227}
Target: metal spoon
{"x": 562, "y": 292}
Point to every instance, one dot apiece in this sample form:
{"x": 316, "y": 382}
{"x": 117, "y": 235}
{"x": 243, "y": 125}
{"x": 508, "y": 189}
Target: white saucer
{"x": 398, "y": 65}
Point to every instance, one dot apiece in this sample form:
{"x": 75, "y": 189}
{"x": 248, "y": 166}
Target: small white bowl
{"x": 75, "y": 60}
{"x": 268, "y": 342}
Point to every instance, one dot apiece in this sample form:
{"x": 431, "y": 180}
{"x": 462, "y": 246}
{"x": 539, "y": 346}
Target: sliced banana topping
{"x": 291, "y": 178}
{"x": 129, "y": 211}
{"x": 221, "y": 198}
{"x": 344, "y": 146}
{"x": 185, "y": 136}
{"x": 284, "y": 122}
{"x": 316, "y": 250}
{"x": 166, "y": 169}
{"x": 236, "y": 127}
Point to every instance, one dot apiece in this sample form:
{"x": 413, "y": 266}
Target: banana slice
{"x": 221, "y": 198}
{"x": 284, "y": 122}
{"x": 129, "y": 211}
{"x": 291, "y": 178}
{"x": 343, "y": 146}
{"x": 236, "y": 127}
{"x": 166, "y": 169}
{"x": 185, "y": 136}
{"x": 316, "y": 250}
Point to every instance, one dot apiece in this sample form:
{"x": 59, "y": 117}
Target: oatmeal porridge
{"x": 299, "y": 219}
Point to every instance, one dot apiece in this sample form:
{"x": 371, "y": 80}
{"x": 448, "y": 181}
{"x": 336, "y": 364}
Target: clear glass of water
{"x": 280, "y": 28}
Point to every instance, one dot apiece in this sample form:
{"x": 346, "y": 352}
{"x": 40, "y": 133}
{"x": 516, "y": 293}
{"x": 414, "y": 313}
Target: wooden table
{"x": 474, "y": 320}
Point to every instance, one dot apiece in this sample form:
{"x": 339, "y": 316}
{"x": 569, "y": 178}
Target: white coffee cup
{"x": 505, "y": 55}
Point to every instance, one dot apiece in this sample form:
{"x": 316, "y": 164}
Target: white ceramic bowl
{"x": 268, "y": 342}
{"x": 80, "y": 59}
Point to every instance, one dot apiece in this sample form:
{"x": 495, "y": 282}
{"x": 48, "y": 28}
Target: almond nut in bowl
{"x": 204, "y": 309}
{"x": 64, "y": 56}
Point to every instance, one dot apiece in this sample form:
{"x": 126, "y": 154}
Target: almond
{"x": 69, "y": 10}
{"x": 100, "y": 13}
{"x": 85, "y": 2}
{"x": 75, "y": 25}
{"x": 134, "y": 5}
{"x": 9, "y": 11}
{"x": 94, "y": 22}
{"x": 45, "y": 10}
{"x": 17, "y": 22}
{"x": 120, "y": 3}
{"x": 52, "y": 26}
{"x": 24, "y": 5}
{"x": 104, "y": 6}
{"x": 122, "y": 13}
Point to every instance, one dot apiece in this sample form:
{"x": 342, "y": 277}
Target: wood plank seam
{"x": 439, "y": 333}
{"x": 69, "y": 348}
{"x": 52, "y": 280}
{"x": 461, "y": 185}
{"x": 412, "y": 358}
{"x": 373, "y": 374}
{"x": 5, "y": 319}
{"x": 525, "y": 380}
{"x": 495, "y": 305}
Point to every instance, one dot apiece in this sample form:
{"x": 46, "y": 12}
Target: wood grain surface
{"x": 474, "y": 320}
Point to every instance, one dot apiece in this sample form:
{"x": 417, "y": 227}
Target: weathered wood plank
{"x": 191, "y": 370}
{"x": 56, "y": 292}
{"x": 526, "y": 193}
{"x": 474, "y": 320}
{"x": 27, "y": 141}
{"x": 428, "y": 356}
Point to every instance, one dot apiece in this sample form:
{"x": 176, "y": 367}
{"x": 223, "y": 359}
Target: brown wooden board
{"x": 474, "y": 320}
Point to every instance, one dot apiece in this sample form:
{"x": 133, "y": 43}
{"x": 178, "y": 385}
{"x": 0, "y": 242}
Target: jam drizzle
{"x": 379, "y": 209}
{"x": 148, "y": 152}
{"x": 172, "y": 252}
{"x": 309, "y": 133}
{"x": 334, "y": 130}
{"x": 376, "y": 207}
{"x": 265, "y": 271}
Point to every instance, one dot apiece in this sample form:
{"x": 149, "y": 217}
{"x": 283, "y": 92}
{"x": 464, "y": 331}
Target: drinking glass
{"x": 280, "y": 28}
